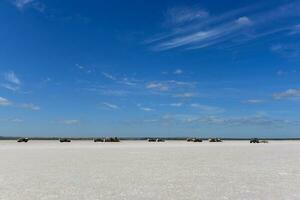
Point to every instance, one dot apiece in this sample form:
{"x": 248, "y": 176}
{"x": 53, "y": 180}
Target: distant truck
{"x": 215, "y": 140}
{"x": 111, "y": 139}
{"x": 23, "y": 140}
{"x": 156, "y": 140}
{"x": 64, "y": 140}
{"x": 254, "y": 140}
{"x": 194, "y": 140}
{"x": 98, "y": 140}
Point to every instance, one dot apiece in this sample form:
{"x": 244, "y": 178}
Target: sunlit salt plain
{"x": 135, "y": 170}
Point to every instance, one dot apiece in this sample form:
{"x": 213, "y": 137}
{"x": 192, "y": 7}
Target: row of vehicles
{"x": 115, "y": 139}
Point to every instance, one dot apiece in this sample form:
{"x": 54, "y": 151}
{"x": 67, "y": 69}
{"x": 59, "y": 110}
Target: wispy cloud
{"x": 185, "y": 95}
{"x": 143, "y": 108}
{"x": 70, "y": 122}
{"x": 178, "y": 71}
{"x": 5, "y": 102}
{"x": 109, "y": 76}
{"x": 79, "y": 66}
{"x": 207, "y": 109}
{"x": 146, "y": 109}
{"x": 123, "y": 80}
{"x": 35, "y": 4}
{"x": 30, "y": 106}
{"x": 253, "y": 101}
{"x": 295, "y": 30}
{"x": 12, "y": 82}
{"x": 158, "y": 86}
{"x": 170, "y": 86}
{"x": 290, "y": 93}
{"x": 183, "y": 14}
{"x": 10, "y": 86}
{"x": 86, "y": 69}
{"x": 288, "y": 50}
{"x": 248, "y": 121}
{"x": 110, "y": 106}
{"x": 17, "y": 120}
{"x": 234, "y": 27}
{"x": 244, "y": 21}
{"x": 176, "y": 104}
{"x": 195, "y": 120}
{"x": 12, "y": 78}
{"x": 13, "y": 120}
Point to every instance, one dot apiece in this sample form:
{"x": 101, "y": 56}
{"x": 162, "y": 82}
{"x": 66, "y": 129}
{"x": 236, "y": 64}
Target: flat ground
{"x": 135, "y": 170}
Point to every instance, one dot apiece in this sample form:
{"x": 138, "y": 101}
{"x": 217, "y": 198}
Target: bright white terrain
{"x": 134, "y": 170}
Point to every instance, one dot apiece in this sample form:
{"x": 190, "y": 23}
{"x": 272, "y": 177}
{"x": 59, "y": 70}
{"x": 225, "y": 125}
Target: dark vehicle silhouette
{"x": 151, "y": 140}
{"x": 194, "y": 140}
{"x": 98, "y": 140}
{"x": 215, "y": 140}
{"x": 23, "y": 140}
{"x": 111, "y": 139}
{"x": 254, "y": 140}
{"x": 64, "y": 140}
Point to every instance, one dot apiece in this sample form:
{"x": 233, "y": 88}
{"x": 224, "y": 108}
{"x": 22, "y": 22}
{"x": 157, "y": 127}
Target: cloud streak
{"x": 233, "y": 28}
{"x": 12, "y": 82}
{"x": 5, "y": 102}
{"x": 70, "y": 122}
{"x": 34, "y": 4}
{"x": 111, "y": 106}
{"x": 290, "y": 93}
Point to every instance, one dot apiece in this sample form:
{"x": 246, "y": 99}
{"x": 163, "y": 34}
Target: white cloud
{"x": 158, "y": 86}
{"x": 30, "y": 106}
{"x": 12, "y": 78}
{"x": 176, "y": 104}
{"x": 180, "y": 15}
{"x": 109, "y": 76}
{"x": 288, "y": 50}
{"x": 17, "y": 120}
{"x": 20, "y": 4}
{"x": 280, "y": 72}
{"x": 228, "y": 29}
{"x": 290, "y": 93}
{"x": 35, "y": 4}
{"x": 257, "y": 120}
{"x": 254, "y": 101}
{"x": 206, "y": 108}
{"x": 247, "y": 121}
{"x": 244, "y": 21}
{"x": 12, "y": 81}
{"x": 295, "y": 30}
{"x": 111, "y": 106}
{"x": 146, "y": 109}
{"x": 79, "y": 66}
{"x": 4, "y": 102}
{"x": 170, "y": 85}
{"x": 71, "y": 122}
{"x": 185, "y": 95}
{"x": 178, "y": 71}
{"x": 10, "y": 87}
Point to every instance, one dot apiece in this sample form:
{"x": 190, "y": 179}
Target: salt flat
{"x": 135, "y": 170}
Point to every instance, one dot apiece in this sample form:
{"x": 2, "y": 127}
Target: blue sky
{"x": 150, "y": 68}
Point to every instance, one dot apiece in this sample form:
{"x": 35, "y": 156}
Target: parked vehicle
{"x": 23, "y": 140}
{"x": 64, "y": 140}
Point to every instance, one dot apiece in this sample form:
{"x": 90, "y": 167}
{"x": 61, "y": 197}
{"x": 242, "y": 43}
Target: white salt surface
{"x": 135, "y": 170}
